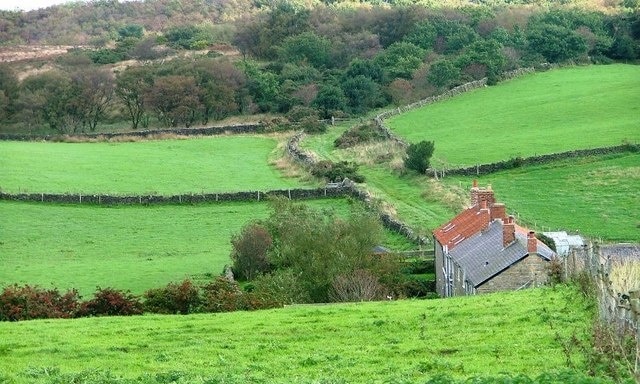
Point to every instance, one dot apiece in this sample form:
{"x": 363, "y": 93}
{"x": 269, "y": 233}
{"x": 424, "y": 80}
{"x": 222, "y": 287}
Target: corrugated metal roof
{"x": 565, "y": 242}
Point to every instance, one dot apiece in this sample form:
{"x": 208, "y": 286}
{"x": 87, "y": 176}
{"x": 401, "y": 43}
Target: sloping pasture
{"x": 594, "y": 196}
{"x": 127, "y": 247}
{"x": 160, "y": 167}
{"x": 555, "y": 111}
{"x": 408, "y": 341}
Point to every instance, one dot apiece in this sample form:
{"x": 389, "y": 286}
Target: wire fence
{"x": 616, "y": 308}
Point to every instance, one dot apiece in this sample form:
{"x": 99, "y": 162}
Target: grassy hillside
{"x": 213, "y": 164}
{"x": 554, "y": 111}
{"x": 397, "y": 341}
{"x": 597, "y": 196}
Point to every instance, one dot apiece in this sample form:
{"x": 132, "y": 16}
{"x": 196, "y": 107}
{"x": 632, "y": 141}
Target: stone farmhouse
{"x": 483, "y": 250}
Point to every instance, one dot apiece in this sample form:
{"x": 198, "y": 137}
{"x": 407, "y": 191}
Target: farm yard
{"x": 139, "y": 247}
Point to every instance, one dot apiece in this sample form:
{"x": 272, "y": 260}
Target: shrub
{"x": 31, "y": 302}
{"x": 222, "y": 295}
{"x": 182, "y": 298}
{"x": 417, "y": 286}
{"x": 249, "y": 254}
{"x": 555, "y": 271}
{"x": 336, "y": 172}
{"x": 419, "y": 155}
{"x": 111, "y": 302}
{"x": 311, "y": 124}
{"x": 299, "y": 112}
{"x": 278, "y": 289}
{"x": 359, "y": 134}
{"x": 361, "y": 285}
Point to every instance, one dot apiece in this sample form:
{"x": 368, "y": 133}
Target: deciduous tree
{"x": 175, "y": 99}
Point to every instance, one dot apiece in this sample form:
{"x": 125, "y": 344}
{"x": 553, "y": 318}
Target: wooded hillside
{"x": 191, "y": 62}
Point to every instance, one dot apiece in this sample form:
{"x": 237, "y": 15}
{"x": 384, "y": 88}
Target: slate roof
{"x": 624, "y": 251}
{"x": 463, "y": 226}
{"x": 483, "y": 256}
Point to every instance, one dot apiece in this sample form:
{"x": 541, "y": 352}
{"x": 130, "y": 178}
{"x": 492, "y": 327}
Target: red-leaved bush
{"x": 111, "y": 302}
{"x": 32, "y": 302}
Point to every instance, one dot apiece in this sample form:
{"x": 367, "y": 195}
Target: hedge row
{"x": 483, "y": 169}
{"x": 18, "y": 303}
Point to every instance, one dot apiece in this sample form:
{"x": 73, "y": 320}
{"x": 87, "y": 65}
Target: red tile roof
{"x": 463, "y": 226}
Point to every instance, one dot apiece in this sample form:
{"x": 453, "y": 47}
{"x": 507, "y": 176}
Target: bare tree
{"x": 361, "y": 285}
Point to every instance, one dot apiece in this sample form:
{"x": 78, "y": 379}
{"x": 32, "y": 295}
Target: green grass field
{"x": 166, "y": 167}
{"x": 597, "y": 196}
{"x": 385, "y": 342}
{"x": 126, "y": 247}
{"x": 554, "y": 111}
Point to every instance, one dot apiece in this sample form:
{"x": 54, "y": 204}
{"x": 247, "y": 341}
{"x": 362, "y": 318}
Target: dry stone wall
{"x": 207, "y": 131}
{"x": 379, "y": 119}
{"x": 294, "y": 194}
{"x": 391, "y": 223}
{"x": 483, "y": 169}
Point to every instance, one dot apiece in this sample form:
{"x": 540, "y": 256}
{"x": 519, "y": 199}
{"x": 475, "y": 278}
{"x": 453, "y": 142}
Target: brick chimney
{"x": 474, "y": 193}
{"x": 532, "y": 242}
{"x": 498, "y": 211}
{"x": 508, "y": 231}
{"x": 486, "y": 194}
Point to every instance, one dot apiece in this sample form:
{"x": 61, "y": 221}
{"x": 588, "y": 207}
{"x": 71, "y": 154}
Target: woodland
{"x": 187, "y": 63}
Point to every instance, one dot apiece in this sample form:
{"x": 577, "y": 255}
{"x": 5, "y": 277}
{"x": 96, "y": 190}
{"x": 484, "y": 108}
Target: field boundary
{"x": 516, "y": 162}
{"x": 332, "y": 190}
{"x": 308, "y": 159}
{"x": 460, "y": 89}
{"x": 488, "y": 168}
{"x": 206, "y": 131}
{"x": 328, "y": 191}
{"x": 619, "y": 310}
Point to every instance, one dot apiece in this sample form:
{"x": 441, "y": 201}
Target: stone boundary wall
{"x": 334, "y": 190}
{"x": 294, "y": 194}
{"x": 379, "y": 119}
{"x": 483, "y": 169}
{"x": 297, "y": 154}
{"x": 307, "y": 160}
{"x": 207, "y": 131}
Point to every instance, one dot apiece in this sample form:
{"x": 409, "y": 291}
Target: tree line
{"x": 306, "y": 63}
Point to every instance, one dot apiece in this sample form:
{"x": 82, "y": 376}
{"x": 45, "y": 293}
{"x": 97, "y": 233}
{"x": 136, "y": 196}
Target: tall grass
{"x": 625, "y": 275}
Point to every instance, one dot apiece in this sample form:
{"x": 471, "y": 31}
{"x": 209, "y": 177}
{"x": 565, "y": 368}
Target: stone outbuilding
{"x": 483, "y": 250}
